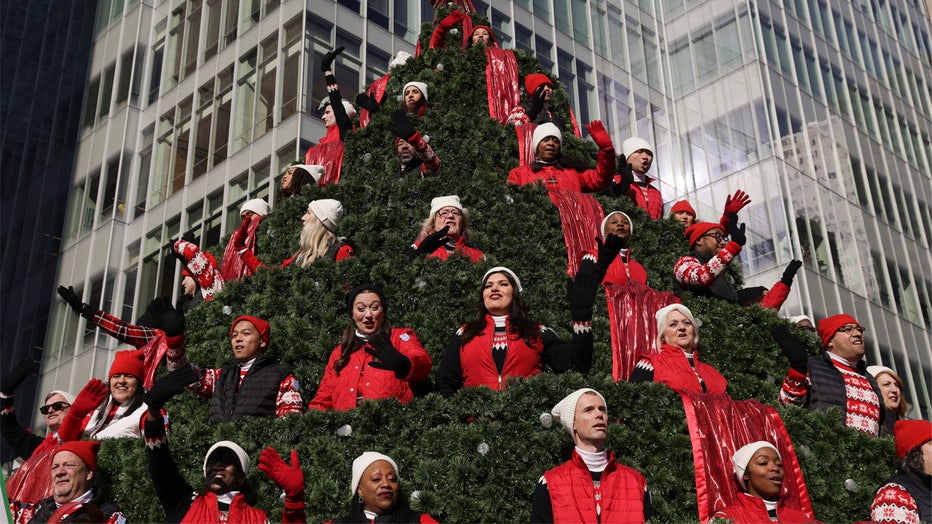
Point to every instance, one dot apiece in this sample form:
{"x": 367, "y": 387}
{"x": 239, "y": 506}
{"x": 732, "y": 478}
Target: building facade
{"x": 819, "y": 110}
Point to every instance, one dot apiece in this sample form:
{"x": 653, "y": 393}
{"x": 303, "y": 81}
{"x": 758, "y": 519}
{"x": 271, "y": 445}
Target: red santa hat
{"x": 830, "y": 325}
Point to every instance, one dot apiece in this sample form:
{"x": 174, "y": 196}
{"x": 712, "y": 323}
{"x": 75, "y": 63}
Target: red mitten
{"x": 599, "y": 135}
{"x": 289, "y": 478}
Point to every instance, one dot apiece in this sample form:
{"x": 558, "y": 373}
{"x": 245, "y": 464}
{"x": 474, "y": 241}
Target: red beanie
{"x": 908, "y": 434}
{"x": 829, "y": 326}
{"x": 535, "y": 80}
{"x": 683, "y": 206}
{"x": 695, "y": 231}
{"x": 261, "y": 325}
{"x": 85, "y": 449}
{"x": 129, "y": 362}
{"x": 487, "y": 28}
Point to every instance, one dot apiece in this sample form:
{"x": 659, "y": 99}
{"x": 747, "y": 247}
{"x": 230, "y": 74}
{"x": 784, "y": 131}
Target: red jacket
{"x": 618, "y": 274}
{"x": 749, "y": 509}
{"x": 572, "y": 493}
{"x": 776, "y": 296}
{"x": 360, "y": 380}
{"x": 556, "y": 177}
{"x": 647, "y": 198}
{"x": 672, "y": 368}
{"x": 473, "y": 254}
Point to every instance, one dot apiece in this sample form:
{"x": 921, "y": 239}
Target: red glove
{"x": 736, "y": 202}
{"x": 599, "y": 135}
{"x": 289, "y": 478}
{"x": 452, "y": 19}
{"x": 239, "y": 237}
{"x": 89, "y": 398}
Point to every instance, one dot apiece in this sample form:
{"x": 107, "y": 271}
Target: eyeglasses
{"x": 851, "y": 327}
{"x": 54, "y": 406}
{"x": 808, "y": 328}
{"x": 717, "y": 236}
{"x": 444, "y": 213}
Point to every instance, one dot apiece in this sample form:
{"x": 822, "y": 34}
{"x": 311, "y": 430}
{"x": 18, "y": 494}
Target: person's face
{"x": 222, "y": 476}
{"x": 685, "y": 218}
{"x": 618, "y": 225}
{"x": 481, "y": 35}
{"x": 927, "y": 458}
{"x": 498, "y": 294}
{"x": 246, "y": 341}
{"x": 548, "y": 149}
{"x": 54, "y": 417}
{"x": 247, "y": 214}
{"x": 404, "y": 150}
{"x": 413, "y": 97}
{"x": 308, "y": 217}
{"x": 547, "y": 92}
{"x": 378, "y": 488}
{"x": 188, "y": 286}
{"x": 368, "y": 312}
{"x": 848, "y": 342}
{"x": 641, "y": 160}
{"x": 449, "y": 216}
{"x": 712, "y": 242}
{"x": 764, "y": 474}
{"x": 123, "y": 387}
{"x": 590, "y": 427}
{"x": 289, "y": 176}
{"x": 806, "y": 325}
{"x": 71, "y": 477}
{"x": 328, "y": 117}
{"x": 889, "y": 391}
{"x": 680, "y": 332}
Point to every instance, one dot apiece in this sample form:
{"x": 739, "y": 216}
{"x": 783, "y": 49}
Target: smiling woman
{"x": 445, "y": 232}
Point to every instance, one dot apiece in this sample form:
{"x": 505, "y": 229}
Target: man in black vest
{"x": 253, "y": 385}
{"x": 836, "y": 378}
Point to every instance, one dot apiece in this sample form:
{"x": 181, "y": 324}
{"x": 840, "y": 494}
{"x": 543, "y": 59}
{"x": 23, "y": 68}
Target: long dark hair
{"x": 349, "y": 342}
{"x": 299, "y": 179}
{"x": 518, "y": 321}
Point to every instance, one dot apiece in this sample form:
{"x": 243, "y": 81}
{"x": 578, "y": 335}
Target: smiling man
{"x": 836, "y": 378}
{"x": 591, "y": 486}
{"x": 253, "y": 385}
{"x": 56, "y": 406}
{"x": 73, "y": 470}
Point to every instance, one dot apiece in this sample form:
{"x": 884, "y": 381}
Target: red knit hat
{"x": 261, "y": 325}
{"x": 535, "y": 80}
{"x": 697, "y": 230}
{"x": 130, "y": 362}
{"x": 487, "y": 28}
{"x": 829, "y": 326}
{"x": 85, "y": 449}
{"x": 683, "y": 206}
{"x": 908, "y": 434}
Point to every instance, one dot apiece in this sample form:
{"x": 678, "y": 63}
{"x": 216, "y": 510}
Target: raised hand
{"x": 790, "y": 272}
{"x": 736, "y": 231}
{"x": 599, "y": 135}
{"x": 85, "y": 310}
{"x": 736, "y": 202}
{"x": 169, "y": 386}
{"x": 792, "y": 347}
{"x": 327, "y": 63}
{"x": 289, "y": 478}
{"x": 380, "y": 346}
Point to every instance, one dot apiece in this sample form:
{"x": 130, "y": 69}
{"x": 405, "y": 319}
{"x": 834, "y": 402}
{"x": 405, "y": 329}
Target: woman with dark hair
{"x": 373, "y": 360}
{"x": 414, "y": 98}
{"x": 891, "y": 390}
{"x": 296, "y": 177}
{"x": 377, "y": 495}
{"x": 502, "y": 342}
{"x": 907, "y": 497}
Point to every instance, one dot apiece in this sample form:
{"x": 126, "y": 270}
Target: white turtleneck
{"x": 595, "y": 461}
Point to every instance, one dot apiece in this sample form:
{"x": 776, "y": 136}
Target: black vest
{"x": 919, "y": 487}
{"x": 47, "y": 507}
{"x": 721, "y": 288}
{"x": 827, "y": 389}
{"x": 256, "y": 396}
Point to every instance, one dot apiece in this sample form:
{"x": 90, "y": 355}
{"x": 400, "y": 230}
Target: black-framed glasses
{"x": 717, "y": 236}
{"x": 54, "y": 406}
{"x": 851, "y": 327}
{"x": 808, "y": 328}
{"x": 444, "y": 213}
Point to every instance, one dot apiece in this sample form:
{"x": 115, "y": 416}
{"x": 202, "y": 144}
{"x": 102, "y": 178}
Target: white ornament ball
{"x": 440, "y": 66}
{"x": 345, "y": 430}
{"x": 851, "y": 486}
{"x": 483, "y": 448}
{"x": 416, "y": 497}
{"x": 367, "y": 158}
{"x": 546, "y": 420}
{"x": 227, "y": 310}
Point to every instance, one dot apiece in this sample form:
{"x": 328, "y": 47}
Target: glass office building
{"x": 819, "y": 110}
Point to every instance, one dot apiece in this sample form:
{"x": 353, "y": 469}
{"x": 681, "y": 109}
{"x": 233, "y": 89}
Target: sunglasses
{"x": 54, "y": 406}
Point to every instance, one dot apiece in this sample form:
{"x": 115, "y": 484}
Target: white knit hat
{"x": 421, "y": 86}
{"x": 68, "y": 396}
{"x": 545, "y": 130}
{"x": 661, "y": 317}
{"x": 364, "y": 461}
{"x": 565, "y": 410}
{"x": 400, "y": 58}
{"x": 502, "y": 269}
{"x": 876, "y": 370}
{"x": 328, "y": 211}
{"x": 605, "y": 221}
{"x": 634, "y": 144}
{"x": 347, "y": 106}
{"x": 257, "y": 206}
{"x": 441, "y": 202}
{"x": 234, "y": 447}
{"x": 316, "y": 171}
{"x": 799, "y": 318}
{"x": 743, "y": 456}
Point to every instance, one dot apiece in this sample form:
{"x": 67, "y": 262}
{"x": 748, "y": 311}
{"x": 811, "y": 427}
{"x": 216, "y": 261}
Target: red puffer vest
{"x": 522, "y": 360}
{"x": 672, "y": 368}
{"x": 572, "y": 493}
{"x": 749, "y": 509}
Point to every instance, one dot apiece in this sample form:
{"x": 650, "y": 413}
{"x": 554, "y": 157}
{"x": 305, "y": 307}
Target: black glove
{"x": 327, "y": 63}
{"x": 790, "y": 272}
{"x": 169, "y": 386}
{"x": 380, "y": 346}
{"x": 608, "y": 251}
{"x": 402, "y": 127}
{"x": 160, "y": 314}
{"x": 368, "y": 103}
{"x": 16, "y": 376}
{"x": 85, "y": 310}
{"x": 624, "y": 169}
{"x": 433, "y": 241}
{"x": 581, "y": 292}
{"x": 735, "y": 231}
{"x": 537, "y": 102}
{"x": 792, "y": 347}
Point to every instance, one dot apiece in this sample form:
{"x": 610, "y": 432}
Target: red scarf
{"x": 205, "y": 509}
